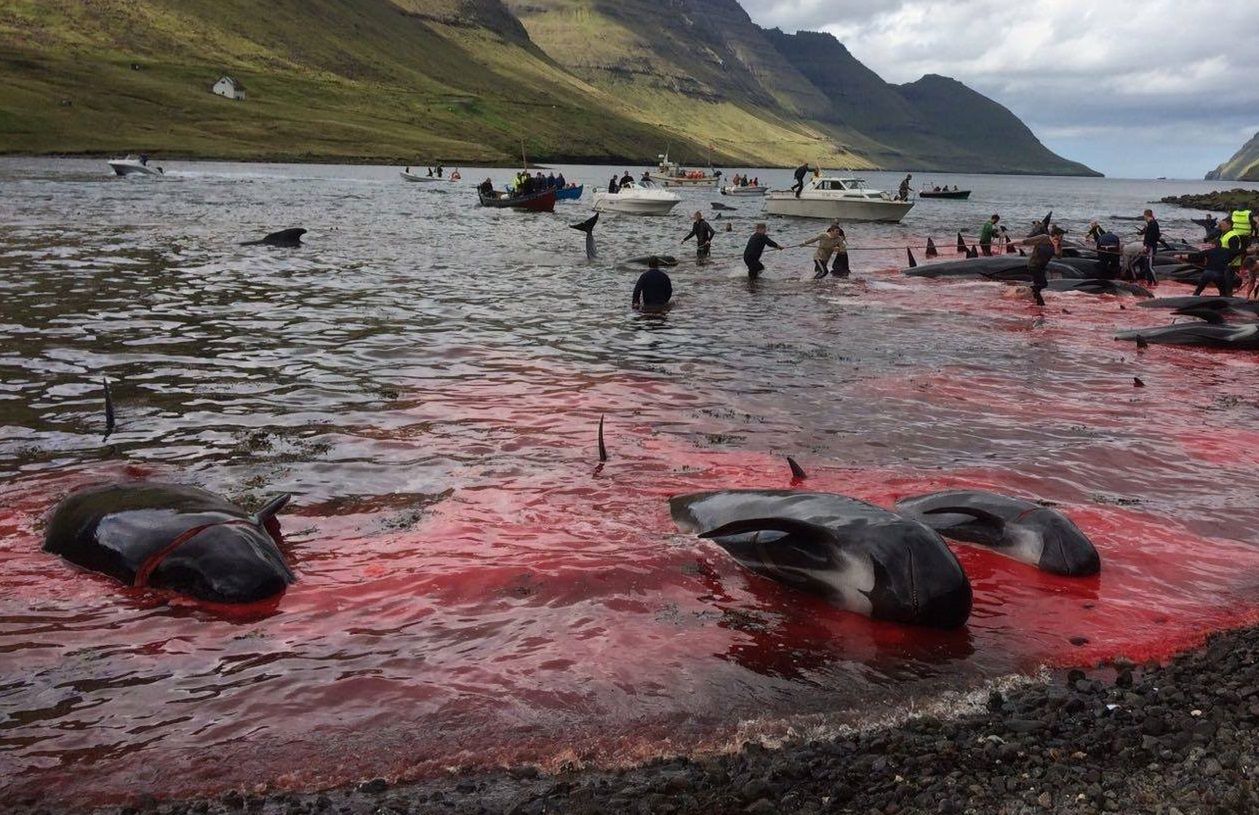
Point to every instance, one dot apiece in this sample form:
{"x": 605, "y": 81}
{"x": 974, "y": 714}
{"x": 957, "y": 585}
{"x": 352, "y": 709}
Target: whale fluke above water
{"x": 603, "y": 450}
{"x": 109, "y": 408}
{"x": 285, "y": 238}
{"x": 588, "y": 226}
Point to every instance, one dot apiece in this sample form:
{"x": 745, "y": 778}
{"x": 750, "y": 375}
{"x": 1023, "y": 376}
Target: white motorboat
{"x": 420, "y": 179}
{"x": 738, "y": 189}
{"x": 835, "y": 198}
{"x": 633, "y": 199}
{"x": 671, "y": 175}
{"x": 134, "y": 165}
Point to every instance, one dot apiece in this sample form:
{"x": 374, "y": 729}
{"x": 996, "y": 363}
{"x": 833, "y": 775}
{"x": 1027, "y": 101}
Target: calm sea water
{"x": 426, "y": 376}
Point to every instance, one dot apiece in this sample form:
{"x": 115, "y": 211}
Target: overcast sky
{"x": 1132, "y": 89}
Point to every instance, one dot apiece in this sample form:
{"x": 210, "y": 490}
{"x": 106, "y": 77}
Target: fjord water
{"x": 474, "y": 590}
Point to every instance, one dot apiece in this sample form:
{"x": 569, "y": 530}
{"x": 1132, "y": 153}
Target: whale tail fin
{"x": 931, "y": 249}
{"x": 909, "y": 253}
{"x": 797, "y": 472}
{"x": 587, "y": 226}
{"x": 961, "y": 244}
{"x": 603, "y": 450}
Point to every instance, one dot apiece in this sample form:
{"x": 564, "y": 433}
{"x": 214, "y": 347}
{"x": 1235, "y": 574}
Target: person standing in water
{"x": 703, "y": 233}
{"x": 1044, "y": 249}
{"x": 653, "y": 290}
{"x": 828, "y": 243}
{"x": 1151, "y": 236}
{"x": 755, "y": 248}
{"x": 987, "y": 233}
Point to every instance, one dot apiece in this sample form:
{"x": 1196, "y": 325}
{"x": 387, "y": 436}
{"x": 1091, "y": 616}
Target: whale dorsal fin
{"x": 789, "y": 526}
{"x": 271, "y": 509}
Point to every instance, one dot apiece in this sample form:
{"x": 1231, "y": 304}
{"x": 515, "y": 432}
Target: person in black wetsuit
{"x": 653, "y": 290}
{"x": 801, "y": 172}
{"x": 1215, "y": 264}
{"x": 703, "y": 233}
{"x": 626, "y": 178}
{"x": 755, "y": 248}
{"x": 1109, "y": 253}
{"x": 613, "y": 186}
{"x": 1044, "y": 249}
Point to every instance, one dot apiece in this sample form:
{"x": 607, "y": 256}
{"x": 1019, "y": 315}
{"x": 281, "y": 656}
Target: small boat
{"x": 954, "y": 195}
{"x": 671, "y": 175}
{"x": 133, "y": 165}
{"x": 736, "y": 189}
{"x": 633, "y": 199}
{"x": 543, "y": 201}
{"x": 835, "y": 198}
{"x": 572, "y": 192}
{"x": 419, "y": 179}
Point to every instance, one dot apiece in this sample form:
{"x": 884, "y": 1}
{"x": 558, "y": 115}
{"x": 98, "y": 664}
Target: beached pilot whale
{"x": 171, "y": 536}
{"x": 285, "y": 238}
{"x": 1100, "y": 286}
{"x": 856, "y": 555}
{"x": 1243, "y": 336}
{"x": 1019, "y": 529}
{"x": 999, "y": 267}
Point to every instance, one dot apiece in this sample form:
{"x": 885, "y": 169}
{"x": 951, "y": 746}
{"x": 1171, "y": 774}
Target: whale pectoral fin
{"x": 799, "y": 530}
{"x": 980, "y": 523}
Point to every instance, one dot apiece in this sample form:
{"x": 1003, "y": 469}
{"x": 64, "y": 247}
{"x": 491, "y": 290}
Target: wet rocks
{"x": 1180, "y": 738}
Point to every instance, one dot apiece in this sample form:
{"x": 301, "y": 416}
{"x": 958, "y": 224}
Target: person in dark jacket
{"x": 755, "y": 248}
{"x": 626, "y": 178}
{"x": 1151, "y": 235}
{"x": 703, "y": 233}
{"x": 801, "y": 172}
{"x": 1109, "y": 254}
{"x": 613, "y": 186}
{"x": 1044, "y": 249}
{"x": 653, "y": 290}
{"x": 1216, "y": 264}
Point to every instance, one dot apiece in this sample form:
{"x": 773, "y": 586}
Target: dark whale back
{"x": 1021, "y": 529}
{"x": 1243, "y": 336}
{"x": 286, "y": 238}
{"x": 169, "y": 536}
{"x": 837, "y": 547}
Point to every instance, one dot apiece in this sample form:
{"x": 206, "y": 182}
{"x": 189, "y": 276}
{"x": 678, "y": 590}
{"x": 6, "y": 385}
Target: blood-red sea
{"x": 475, "y": 589}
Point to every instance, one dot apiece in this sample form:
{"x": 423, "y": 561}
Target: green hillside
{"x": 1243, "y": 166}
{"x": 467, "y": 80}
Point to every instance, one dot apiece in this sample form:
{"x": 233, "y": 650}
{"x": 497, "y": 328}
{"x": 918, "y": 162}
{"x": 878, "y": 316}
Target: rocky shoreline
{"x": 1218, "y": 201}
{"x": 1175, "y": 738}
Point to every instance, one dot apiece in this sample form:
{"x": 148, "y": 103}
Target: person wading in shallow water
{"x": 830, "y": 242}
{"x": 755, "y": 248}
{"x": 1044, "y": 249}
{"x": 653, "y": 290}
{"x": 986, "y": 235}
{"x": 703, "y": 234}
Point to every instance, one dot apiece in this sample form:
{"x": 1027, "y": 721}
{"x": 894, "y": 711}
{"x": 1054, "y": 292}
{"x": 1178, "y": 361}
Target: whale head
{"x": 1065, "y": 549}
{"x": 225, "y": 563}
{"x": 917, "y": 579}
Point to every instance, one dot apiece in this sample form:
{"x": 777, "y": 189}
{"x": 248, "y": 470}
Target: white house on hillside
{"x": 230, "y": 88}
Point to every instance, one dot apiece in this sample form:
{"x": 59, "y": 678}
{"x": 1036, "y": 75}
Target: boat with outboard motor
{"x": 837, "y": 198}
{"x": 671, "y": 175}
{"x": 634, "y": 199}
{"x": 134, "y": 165}
{"x": 741, "y": 190}
{"x": 542, "y": 201}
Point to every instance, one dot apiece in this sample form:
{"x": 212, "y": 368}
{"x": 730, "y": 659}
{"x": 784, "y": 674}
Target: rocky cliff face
{"x": 1243, "y": 166}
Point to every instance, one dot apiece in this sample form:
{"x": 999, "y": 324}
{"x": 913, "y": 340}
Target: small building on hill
{"x": 229, "y": 88}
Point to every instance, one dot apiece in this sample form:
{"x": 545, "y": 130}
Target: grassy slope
{"x": 1243, "y": 166}
{"x": 685, "y": 77}
{"x": 326, "y": 78}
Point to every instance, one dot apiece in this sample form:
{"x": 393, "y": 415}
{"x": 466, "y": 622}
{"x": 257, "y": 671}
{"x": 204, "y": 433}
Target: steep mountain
{"x": 1243, "y": 166}
{"x": 466, "y": 80}
{"x": 935, "y": 123}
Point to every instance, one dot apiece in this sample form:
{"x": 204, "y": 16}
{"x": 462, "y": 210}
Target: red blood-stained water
{"x": 526, "y": 604}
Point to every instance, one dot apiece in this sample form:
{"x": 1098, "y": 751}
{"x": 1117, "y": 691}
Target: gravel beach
{"x": 1174, "y": 738}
